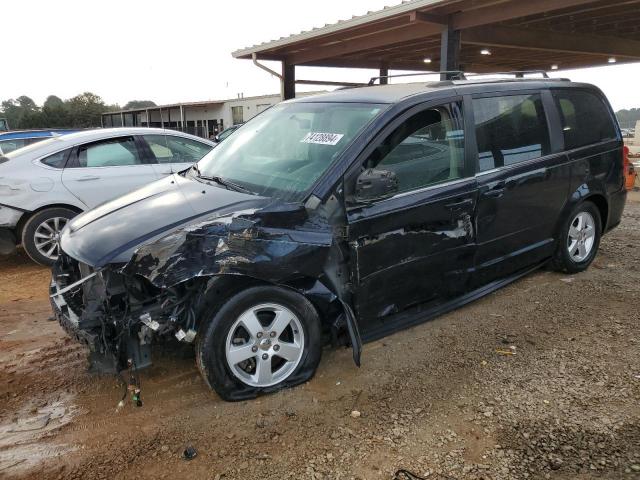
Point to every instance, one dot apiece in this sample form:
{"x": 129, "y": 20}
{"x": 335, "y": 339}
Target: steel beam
{"x": 449, "y": 51}
{"x": 288, "y": 81}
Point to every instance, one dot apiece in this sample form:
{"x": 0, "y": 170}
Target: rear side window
{"x": 114, "y": 152}
{"x": 585, "y": 118}
{"x": 57, "y": 160}
{"x": 510, "y": 129}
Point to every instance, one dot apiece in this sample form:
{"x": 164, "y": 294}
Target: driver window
{"x": 427, "y": 149}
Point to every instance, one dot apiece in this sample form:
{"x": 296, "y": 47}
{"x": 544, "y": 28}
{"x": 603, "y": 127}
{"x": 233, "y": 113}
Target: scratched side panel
{"x": 413, "y": 250}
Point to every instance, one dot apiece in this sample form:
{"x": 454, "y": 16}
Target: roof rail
{"x": 517, "y": 73}
{"x": 457, "y": 75}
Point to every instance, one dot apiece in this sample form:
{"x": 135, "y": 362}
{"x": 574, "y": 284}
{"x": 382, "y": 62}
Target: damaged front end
{"x": 171, "y": 285}
{"x": 119, "y": 316}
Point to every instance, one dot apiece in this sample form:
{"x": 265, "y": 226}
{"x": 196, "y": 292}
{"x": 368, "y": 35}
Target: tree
{"x": 85, "y": 110}
{"x": 135, "y": 104}
{"x": 54, "y": 112}
{"x": 21, "y": 112}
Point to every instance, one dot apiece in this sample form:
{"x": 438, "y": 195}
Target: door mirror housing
{"x": 375, "y": 184}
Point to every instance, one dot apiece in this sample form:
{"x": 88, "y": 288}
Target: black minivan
{"x": 341, "y": 218}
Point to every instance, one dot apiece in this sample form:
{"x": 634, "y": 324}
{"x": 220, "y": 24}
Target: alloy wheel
{"x": 581, "y": 238}
{"x": 265, "y": 345}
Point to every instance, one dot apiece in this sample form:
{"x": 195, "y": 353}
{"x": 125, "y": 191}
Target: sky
{"x": 180, "y": 51}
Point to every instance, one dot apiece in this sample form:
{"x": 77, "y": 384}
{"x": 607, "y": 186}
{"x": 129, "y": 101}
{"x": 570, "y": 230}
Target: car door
{"x": 417, "y": 247}
{"x": 172, "y": 153}
{"x": 523, "y": 181}
{"x": 105, "y": 169}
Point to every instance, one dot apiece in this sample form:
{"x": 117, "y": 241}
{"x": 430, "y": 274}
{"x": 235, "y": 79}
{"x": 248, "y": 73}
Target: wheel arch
{"x": 25, "y": 218}
{"x": 584, "y": 194}
{"x": 220, "y": 288}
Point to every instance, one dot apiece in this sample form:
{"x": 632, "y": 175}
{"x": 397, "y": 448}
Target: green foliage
{"x": 135, "y": 104}
{"x": 81, "y": 111}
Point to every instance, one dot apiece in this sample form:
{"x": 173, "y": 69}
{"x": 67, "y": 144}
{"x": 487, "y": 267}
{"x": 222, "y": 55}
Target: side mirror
{"x": 375, "y": 184}
{"x": 216, "y": 139}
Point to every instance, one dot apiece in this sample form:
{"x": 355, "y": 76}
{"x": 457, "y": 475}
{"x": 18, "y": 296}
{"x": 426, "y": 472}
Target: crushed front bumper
{"x": 70, "y": 321}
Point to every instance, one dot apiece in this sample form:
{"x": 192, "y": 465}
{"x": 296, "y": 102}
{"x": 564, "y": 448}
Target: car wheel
{"x": 41, "y": 234}
{"x": 261, "y": 340}
{"x": 579, "y": 239}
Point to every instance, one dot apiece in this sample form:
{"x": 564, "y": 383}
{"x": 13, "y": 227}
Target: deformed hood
{"x": 112, "y": 231}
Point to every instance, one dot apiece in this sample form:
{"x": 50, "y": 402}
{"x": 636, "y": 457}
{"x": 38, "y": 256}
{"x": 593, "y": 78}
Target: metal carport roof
{"x": 519, "y": 35}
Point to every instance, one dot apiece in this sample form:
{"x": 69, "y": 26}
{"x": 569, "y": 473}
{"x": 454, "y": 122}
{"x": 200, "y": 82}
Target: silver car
{"x": 44, "y": 185}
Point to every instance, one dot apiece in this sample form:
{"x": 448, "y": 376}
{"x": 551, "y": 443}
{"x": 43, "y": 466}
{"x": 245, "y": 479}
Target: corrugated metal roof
{"x": 405, "y": 7}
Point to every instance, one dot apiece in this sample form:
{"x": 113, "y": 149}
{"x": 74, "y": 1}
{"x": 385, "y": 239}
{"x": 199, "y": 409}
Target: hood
{"x": 111, "y": 232}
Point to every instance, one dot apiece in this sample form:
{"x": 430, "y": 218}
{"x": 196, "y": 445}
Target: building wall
{"x": 203, "y": 119}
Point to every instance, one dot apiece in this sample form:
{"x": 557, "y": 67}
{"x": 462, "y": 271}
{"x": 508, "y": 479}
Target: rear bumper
{"x": 8, "y": 241}
{"x": 616, "y": 207}
{"x": 9, "y": 217}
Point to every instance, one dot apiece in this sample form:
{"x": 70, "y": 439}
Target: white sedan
{"x": 44, "y": 185}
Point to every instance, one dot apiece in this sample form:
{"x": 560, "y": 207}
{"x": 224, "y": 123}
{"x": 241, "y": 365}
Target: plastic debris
{"x": 152, "y": 324}
{"x": 187, "y": 336}
{"x": 189, "y": 453}
{"x": 355, "y": 414}
{"x": 506, "y": 351}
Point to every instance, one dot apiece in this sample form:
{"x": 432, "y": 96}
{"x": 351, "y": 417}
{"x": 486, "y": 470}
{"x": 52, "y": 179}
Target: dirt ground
{"x": 442, "y": 400}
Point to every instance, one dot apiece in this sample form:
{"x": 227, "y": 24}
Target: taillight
{"x": 627, "y": 169}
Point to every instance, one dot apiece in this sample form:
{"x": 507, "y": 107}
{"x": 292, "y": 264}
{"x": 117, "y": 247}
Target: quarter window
{"x": 114, "y": 152}
{"x": 510, "y": 129}
{"x": 585, "y": 118}
{"x": 171, "y": 149}
{"x": 57, "y": 160}
{"x": 426, "y": 149}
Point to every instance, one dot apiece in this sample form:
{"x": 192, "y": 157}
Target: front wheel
{"x": 261, "y": 340}
{"x": 579, "y": 239}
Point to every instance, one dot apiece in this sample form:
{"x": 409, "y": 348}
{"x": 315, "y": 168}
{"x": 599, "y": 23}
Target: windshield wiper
{"x": 225, "y": 183}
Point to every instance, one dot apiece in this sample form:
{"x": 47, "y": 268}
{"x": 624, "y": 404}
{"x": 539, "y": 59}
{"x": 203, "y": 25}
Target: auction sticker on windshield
{"x": 322, "y": 138}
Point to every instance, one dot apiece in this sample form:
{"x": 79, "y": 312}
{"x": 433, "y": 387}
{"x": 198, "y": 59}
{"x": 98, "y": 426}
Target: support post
{"x": 181, "y": 118}
{"x": 384, "y": 71}
{"x": 288, "y": 81}
{"x": 121, "y": 119}
{"x": 449, "y": 51}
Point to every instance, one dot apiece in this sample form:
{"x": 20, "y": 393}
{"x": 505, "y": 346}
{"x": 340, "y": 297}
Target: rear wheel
{"x": 263, "y": 339}
{"x": 41, "y": 234}
{"x": 579, "y": 240}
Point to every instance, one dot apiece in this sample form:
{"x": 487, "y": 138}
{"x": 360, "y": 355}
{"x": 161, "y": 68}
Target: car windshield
{"x": 283, "y": 151}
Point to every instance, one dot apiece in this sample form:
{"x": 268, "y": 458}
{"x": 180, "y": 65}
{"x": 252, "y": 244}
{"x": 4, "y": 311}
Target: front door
{"x": 106, "y": 169}
{"x": 523, "y": 182}
{"x": 417, "y": 247}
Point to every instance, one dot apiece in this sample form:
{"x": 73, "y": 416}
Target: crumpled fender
{"x": 238, "y": 243}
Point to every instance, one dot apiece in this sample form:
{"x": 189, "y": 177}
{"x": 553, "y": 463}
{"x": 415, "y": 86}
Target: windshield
{"x": 283, "y": 151}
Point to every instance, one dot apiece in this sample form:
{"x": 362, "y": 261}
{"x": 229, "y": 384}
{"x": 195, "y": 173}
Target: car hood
{"x": 111, "y": 232}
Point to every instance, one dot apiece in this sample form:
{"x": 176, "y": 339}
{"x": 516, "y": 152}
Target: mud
{"x": 444, "y": 399}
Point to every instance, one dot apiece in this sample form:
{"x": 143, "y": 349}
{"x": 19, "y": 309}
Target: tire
{"x": 224, "y": 335}
{"x": 43, "y": 223}
{"x": 569, "y": 257}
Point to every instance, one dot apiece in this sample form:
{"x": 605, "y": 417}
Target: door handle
{"x": 88, "y": 178}
{"x": 459, "y": 205}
